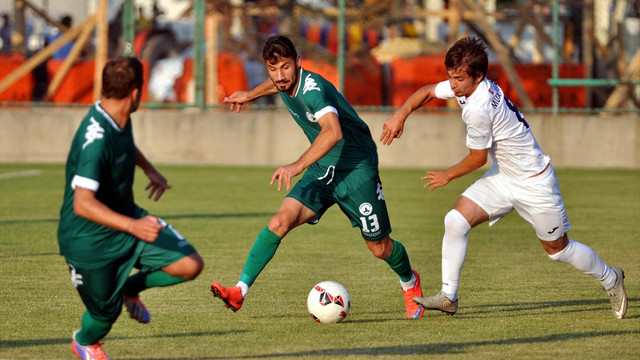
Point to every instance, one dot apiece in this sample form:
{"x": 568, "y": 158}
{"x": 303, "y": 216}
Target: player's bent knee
{"x": 380, "y": 249}
{"x": 454, "y": 221}
{"x": 195, "y": 267}
{"x": 555, "y": 246}
{"x": 189, "y": 267}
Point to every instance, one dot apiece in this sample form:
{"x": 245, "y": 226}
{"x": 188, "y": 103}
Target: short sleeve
{"x": 93, "y": 153}
{"x": 479, "y": 129}
{"x": 443, "y": 90}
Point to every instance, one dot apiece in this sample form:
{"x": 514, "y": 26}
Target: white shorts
{"x": 536, "y": 199}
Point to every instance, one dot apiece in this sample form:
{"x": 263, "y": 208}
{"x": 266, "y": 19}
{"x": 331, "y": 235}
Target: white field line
{"x": 19, "y": 174}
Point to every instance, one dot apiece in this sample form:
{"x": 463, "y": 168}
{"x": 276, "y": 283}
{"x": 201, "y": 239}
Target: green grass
{"x": 514, "y": 301}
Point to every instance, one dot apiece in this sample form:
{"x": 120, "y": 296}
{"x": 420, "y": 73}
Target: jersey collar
{"x": 107, "y": 116}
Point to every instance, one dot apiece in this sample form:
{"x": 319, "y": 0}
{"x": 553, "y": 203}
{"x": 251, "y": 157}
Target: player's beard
{"x": 288, "y": 85}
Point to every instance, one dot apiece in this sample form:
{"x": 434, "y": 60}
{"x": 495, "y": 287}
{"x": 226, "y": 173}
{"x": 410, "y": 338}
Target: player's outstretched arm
{"x": 239, "y": 98}
{"x": 394, "y": 126}
{"x": 475, "y": 160}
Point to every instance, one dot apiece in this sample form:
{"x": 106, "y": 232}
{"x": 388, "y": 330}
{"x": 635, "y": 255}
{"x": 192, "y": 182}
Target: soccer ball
{"x": 328, "y": 302}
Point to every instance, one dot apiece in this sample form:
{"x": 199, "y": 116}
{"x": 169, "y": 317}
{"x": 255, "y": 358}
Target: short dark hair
{"x": 66, "y": 20}
{"x": 277, "y": 47}
{"x": 471, "y": 52}
{"x": 121, "y": 76}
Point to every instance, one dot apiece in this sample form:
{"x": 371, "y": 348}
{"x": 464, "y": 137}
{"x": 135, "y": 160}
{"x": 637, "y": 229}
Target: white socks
{"x": 409, "y": 284}
{"x": 581, "y": 257}
{"x": 454, "y": 251}
{"x": 244, "y": 288}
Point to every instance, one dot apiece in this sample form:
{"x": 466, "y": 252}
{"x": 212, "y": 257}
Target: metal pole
{"x": 128, "y": 28}
{"x": 198, "y": 56}
{"x": 554, "y": 73}
{"x": 341, "y": 45}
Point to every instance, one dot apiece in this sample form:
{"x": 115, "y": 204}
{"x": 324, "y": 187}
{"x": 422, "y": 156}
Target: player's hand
{"x": 285, "y": 174}
{"x": 157, "y": 185}
{"x": 236, "y": 100}
{"x": 146, "y": 228}
{"x": 392, "y": 129}
{"x": 436, "y": 179}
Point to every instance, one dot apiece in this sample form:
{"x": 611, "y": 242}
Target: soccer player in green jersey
{"x": 341, "y": 167}
{"x": 103, "y": 234}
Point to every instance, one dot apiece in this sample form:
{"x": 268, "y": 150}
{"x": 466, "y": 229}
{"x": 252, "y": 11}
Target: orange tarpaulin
{"x": 21, "y": 90}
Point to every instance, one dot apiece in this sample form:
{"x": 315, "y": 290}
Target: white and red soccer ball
{"x": 328, "y": 302}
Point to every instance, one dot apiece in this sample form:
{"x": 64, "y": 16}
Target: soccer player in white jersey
{"x": 521, "y": 177}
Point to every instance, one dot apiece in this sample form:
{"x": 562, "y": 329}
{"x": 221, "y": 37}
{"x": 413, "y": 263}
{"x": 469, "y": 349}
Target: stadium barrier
{"x": 269, "y": 137}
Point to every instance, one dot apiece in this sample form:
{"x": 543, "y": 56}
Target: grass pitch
{"x": 514, "y": 301}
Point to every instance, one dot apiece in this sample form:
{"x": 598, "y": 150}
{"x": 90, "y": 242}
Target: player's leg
{"x": 457, "y": 224}
{"x": 541, "y": 204}
{"x": 291, "y": 214}
{"x": 99, "y": 288}
{"x": 483, "y": 201}
{"x": 395, "y": 255}
{"x": 304, "y": 203}
{"x": 169, "y": 260}
{"x": 359, "y": 194}
{"x": 583, "y": 258}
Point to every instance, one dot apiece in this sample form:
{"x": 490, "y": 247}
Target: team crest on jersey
{"x": 365, "y": 209}
{"x": 94, "y": 131}
{"x": 311, "y": 117}
{"x": 309, "y": 84}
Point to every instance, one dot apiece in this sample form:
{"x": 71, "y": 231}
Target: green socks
{"x": 261, "y": 253}
{"x": 398, "y": 261}
{"x": 143, "y": 280}
{"x": 267, "y": 243}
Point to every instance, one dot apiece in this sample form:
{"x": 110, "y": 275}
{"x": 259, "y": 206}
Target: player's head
{"x": 66, "y": 20}
{"x": 283, "y": 62}
{"x": 121, "y": 77}
{"x": 468, "y": 54}
{"x": 278, "y": 47}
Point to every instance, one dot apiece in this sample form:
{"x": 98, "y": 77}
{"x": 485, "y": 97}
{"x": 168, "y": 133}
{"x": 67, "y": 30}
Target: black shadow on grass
{"x": 509, "y": 310}
{"x": 6, "y": 344}
{"x": 425, "y": 349}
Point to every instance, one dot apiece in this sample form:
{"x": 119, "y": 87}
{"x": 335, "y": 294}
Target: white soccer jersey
{"x": 495, "y": 123}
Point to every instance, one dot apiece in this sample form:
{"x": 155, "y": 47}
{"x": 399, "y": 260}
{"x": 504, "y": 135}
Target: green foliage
{"x": 514, "y": 301}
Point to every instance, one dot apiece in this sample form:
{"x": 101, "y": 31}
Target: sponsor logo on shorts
{"x": 366, "y": 209}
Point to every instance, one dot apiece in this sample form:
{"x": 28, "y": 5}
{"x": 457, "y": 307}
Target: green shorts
{"x": 358, "y": 193}
{"x": 100, "y": 287}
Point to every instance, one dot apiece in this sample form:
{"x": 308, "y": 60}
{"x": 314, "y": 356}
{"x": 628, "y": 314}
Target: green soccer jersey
{"x": 314, "y": 97}
{"x": 103, "y": 159}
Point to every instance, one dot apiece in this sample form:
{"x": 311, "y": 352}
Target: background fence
{"x": 572, "y": 55}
